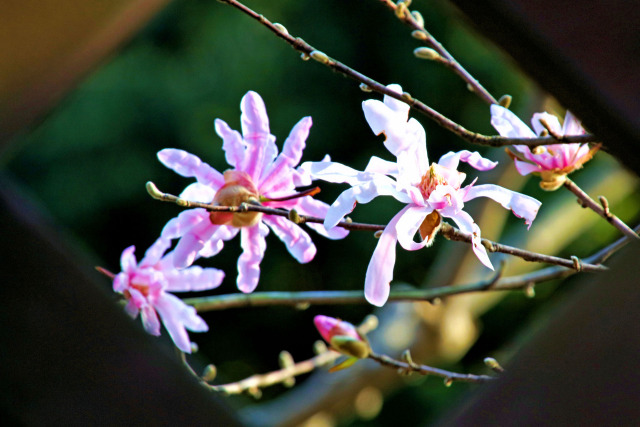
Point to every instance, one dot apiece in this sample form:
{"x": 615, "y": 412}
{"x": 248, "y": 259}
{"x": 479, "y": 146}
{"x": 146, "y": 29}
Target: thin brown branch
{"x": 602, "y": 210}
{"x": 448, "y": 231}
{"x": 422, "y": 34}
{"x": 412, "y": 367}
{"x": 309, "y": 51}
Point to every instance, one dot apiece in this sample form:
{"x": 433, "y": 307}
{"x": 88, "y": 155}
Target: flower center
{"x": 430, "y": 181}
{"x": 238, "y": 188}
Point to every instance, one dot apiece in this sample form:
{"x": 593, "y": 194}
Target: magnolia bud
{"x": 505, "y": 101}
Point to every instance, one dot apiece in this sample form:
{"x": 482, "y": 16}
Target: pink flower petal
{"x": 293, "y": 236}
{"x": 508, "y": 124}
{"x": 522, "y": 205}
{"x": 150, "y": 320}
{"x": 232, "y": 143}
{"x": 128, "y": 261}
{"x": 155, "y": 252}
{"x": 261, "y": 147}
{"x": 572, "y": 125}
{"x": 550, "y": 119}
{"x": 185, "y": 221}
{"x": 216, "y": 242}
{"x": 121, "y": 282}
{"x": 467, "y": 225}
{"x": 378, "y": 165}
{"x": 252, "y": 240}
{"x": 525, "y": 168}
{"x": 197, "y": 192}
{"x": 193, "y": 279}
{"x": 474, "y": 159}
{"x": 189, "y": 246}
{"x": 345, "y": 203}
{"x": 290, "y": 156}
{"x": 310, "y": 206}
{"x": 408, "y": 226}
{"x": 189, "y": 166}
{"x": 380, "y": 270}
{"x": 174, "y": 313}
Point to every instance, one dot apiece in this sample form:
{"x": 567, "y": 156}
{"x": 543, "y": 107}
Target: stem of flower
{"x": 603, "y": 210}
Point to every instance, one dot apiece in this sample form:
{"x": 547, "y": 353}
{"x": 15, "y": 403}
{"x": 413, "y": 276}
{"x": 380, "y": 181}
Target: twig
{"x": 254, "y": 383}
{"x": 304, "y": 299}
{"x": 421, "y": 33}
{"x": 411, "y": 367}
{"x": 309, "y": 51}
{"x": 448, "y": 231}
{"x": 602, "y": 210}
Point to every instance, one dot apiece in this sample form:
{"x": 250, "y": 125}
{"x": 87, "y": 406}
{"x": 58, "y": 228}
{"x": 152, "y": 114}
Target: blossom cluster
{"x": 260, "y": 175}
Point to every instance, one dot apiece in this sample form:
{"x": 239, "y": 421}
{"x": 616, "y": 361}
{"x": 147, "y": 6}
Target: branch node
{"x": 605, "y": 207}
{"x": 577, "y": 263}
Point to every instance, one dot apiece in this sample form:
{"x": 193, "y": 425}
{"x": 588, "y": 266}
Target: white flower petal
{"x": 523, "y": 206}
{"x": 508, "y": 124}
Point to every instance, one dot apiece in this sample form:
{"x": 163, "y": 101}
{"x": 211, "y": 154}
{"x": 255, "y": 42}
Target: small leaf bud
{"x": 304, "y": 56}
{"x": 426, "y": 53}
{"x": 281, "y": 28}
{"x": 319, "y": 56}
{"x": 530, "y": 291}
{"x": 505, "y": 101}
{"x": 417, "y": 16}
{"x": 364, "y": 87}
{"x": 377, "y": 234}
{"x": 419, "y": 35}
{"x": 294, "y": 216}
{"x": 448, "y": 382}
{"x": 209, "y": 374}
{"x": 285, "y": 359}
{"x": 319, "y": 347}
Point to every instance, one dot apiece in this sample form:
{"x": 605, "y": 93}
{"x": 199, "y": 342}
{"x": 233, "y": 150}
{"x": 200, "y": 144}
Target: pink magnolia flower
{"x": 430, "y": 191}
{"x": 259, "y": 175}
{"x": 552, "y": 162}
{"x": 145, "y": 286}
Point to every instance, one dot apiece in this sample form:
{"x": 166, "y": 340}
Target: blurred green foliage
{"x": 89, "y": 160}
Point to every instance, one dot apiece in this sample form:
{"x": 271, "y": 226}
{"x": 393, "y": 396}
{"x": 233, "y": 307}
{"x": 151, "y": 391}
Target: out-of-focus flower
{"x": 344, "y": 338}
{"x": 430, "y": 191}
{"x": 260, "y": 175}
{"x": 146, "y": 288}
{"x": 552, "y": 162}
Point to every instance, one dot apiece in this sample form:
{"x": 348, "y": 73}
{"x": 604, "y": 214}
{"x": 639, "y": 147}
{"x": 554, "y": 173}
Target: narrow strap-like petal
{"x": 290, "y": 155}
{"x": 297, "y": 240}
{"x": 252, "y": 240}
{"x": 572, "y": 125}
{"x": 385, "y": 167}
{"x": 174, "y": 312}
{"x": 155, "y": 252}
{"x": 189, "y": 246}
{"x": 508, "y": 124}
{"x": 197, "y": 192}
{"x": 336, "y": 172}
{"x": 467, "y": 225}
{"x": 261, "y": 147}
{"x": 128, "y": 261}
{"x": 525, "y": 168}
{"x": 408, "y": 225}
{"x": 185, "y": 221}
{"x": 345, "y": 203}
{"x": 190, "y": 166}
{"x": 380, "y": 270}
{"x": 216, "y": 242}
{"x": 150, "y": 320}
{"x": 521, "y": 205}
{"x": 551, "y": 120}
{"x": 194, "y": 278}
{"x": 474, "y": 159}
{"x": 232, "y": 143}
{"x": 310, "y": 206}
